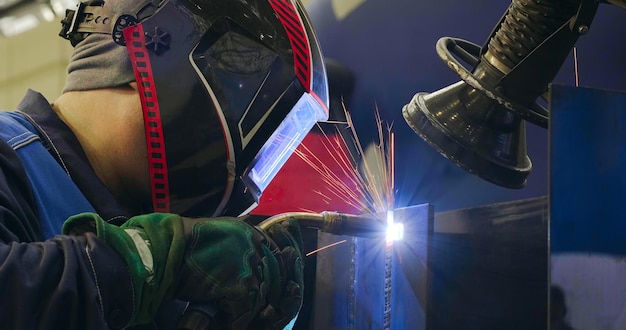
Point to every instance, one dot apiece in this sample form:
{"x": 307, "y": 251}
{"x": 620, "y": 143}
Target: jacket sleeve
{"x": 67, "y": 282}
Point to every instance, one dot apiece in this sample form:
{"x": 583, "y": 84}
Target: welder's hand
{"x": 255, "y": 278}
{"x": 283, "y": 308}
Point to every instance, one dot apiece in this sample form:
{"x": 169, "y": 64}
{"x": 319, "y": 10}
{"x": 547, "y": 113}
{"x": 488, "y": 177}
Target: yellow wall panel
{"x": 35, "y": 59}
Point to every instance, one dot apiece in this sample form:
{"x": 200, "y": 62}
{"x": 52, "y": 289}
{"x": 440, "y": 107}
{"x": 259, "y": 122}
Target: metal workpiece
{"x": 491, "y": 265}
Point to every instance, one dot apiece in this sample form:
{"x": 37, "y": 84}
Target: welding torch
{"x": 335, "y": 223}
{"x": 201, "y": 316}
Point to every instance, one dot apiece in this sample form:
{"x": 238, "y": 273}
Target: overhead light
{"x": 20, "y": 16}
{"x": 479, "y": 122}
{"x": 59, "y": 6}
{"x": 11, "y": 25}
{"x": 46, "y": 13}
{"x": 6, "y": 4}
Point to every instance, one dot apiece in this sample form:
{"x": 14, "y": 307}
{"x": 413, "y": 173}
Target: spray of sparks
{"x": 361, "y": 178}
{"x": 365, "y": 178}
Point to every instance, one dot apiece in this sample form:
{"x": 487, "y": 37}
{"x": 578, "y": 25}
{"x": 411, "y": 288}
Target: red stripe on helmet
{"x": 291, "y": 21}
{"x": 157, "y": 162}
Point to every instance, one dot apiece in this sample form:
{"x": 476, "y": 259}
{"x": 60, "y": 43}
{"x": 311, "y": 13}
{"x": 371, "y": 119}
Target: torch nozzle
{"x": 335, "y": 223}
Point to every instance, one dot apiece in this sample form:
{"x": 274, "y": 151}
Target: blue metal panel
{"x": 587, "y": 170}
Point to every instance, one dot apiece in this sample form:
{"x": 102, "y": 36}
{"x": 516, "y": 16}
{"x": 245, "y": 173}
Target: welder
{"x": 129, "y": 191}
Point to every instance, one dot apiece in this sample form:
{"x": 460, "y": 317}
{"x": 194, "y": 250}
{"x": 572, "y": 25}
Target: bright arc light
{"x": 395, "y": 231}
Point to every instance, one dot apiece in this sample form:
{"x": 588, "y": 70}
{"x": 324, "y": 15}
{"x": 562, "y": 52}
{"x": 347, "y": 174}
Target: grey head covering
{"x": 97, "y": 61}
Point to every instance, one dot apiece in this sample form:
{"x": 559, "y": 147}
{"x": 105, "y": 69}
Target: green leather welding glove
{"x": 254, "y": 277}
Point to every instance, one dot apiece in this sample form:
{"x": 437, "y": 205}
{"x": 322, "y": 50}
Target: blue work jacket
{"x": 52, "y": 281}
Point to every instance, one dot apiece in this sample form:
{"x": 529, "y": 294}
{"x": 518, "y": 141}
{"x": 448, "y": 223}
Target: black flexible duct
{"x": 526, "y": 25}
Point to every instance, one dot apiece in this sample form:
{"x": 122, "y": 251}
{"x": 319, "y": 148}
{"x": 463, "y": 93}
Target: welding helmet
{"x": 228, "y": 88}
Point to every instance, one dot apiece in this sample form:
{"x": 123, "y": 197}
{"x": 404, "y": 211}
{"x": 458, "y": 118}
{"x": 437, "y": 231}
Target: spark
{"x": 576, "y": 66}
{"x": 334, "y": 182}
{"x": 365, "y": 177}
{"x": 325, "y": 247}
